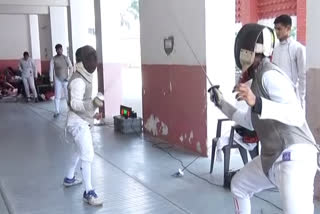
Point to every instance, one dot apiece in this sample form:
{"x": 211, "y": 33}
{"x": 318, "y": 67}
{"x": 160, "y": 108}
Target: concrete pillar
{"x": 98, "y": 31}
{"x": 110, "y": 55}
{"x": 35, "y": 41}
{"x": 45, "y": 42}
{"x": 70, "y": 37}
{"x": 174, "y": 85}
{"x": 59, "y": 28}
{"x": 82, "y": 30}
{"x": 220, "y": 56}
{"x": 79, "y": 26}
{"x": 313, "y": 75}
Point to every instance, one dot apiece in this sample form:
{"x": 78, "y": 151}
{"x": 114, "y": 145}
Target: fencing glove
{"x": 216, "y": 95}
{"x": 98, "y": 100}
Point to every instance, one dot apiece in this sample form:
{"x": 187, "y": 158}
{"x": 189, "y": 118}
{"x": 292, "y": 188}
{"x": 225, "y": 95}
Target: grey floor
{"x": 131, "y": 174}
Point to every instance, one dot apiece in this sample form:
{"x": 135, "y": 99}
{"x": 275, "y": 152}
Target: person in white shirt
{"x": 288, "y": 157}
{"x": 60, "y": 71}
{"x": 28, "y": 74}
{"x": 80, "y": 119}
{"x": 290, "y": 56}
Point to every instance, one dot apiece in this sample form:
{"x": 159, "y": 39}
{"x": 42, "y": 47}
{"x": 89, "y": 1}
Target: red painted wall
{"x": 301, "y": 21}
{"x": 273, "y": 8}
{"x": 246, "y": 11}
{"x": 8, "y": 63}
{"x": 253, "y": 10}
{"x": 181, "y": 106}
{"x": 45, "y": 66}
{"x": 37, "y": 62}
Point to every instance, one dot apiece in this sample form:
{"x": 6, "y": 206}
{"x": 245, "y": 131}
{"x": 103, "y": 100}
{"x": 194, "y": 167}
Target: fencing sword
{"x": 191, "y": 49}
{"x": 180, "y": 172}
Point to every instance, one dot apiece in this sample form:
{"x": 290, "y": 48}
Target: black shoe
{"x": 56, "y": 115}
{"x": 36, "y": 100}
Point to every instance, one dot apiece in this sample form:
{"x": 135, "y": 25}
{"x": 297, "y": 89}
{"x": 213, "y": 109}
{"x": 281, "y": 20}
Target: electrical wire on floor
{"x": 165, "y": 150}
{"x": 185, "y": 168}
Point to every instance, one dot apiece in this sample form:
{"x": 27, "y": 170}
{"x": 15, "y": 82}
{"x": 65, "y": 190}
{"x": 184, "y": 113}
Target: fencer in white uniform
{"x": 290, "y": 56}
{"x": 80, "y": 119}
{"x": 288, "y": 157}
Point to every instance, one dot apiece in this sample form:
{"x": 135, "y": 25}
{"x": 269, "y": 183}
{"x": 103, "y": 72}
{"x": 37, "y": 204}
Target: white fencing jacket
{"x": 290, "y": 56}
{"x": 82, "y": 108}
{"x": 283, "y": 106}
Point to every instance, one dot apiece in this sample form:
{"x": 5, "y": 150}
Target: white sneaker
{"x": 67, "y": 182}
{"x": 92, "y": 198}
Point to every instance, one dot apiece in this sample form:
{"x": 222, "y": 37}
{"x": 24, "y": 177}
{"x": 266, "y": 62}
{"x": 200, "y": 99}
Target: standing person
{"x": 60, "y": 70}
{"x": 288, "y": 157}
{"x": 80, "y": 119}
{"x": 290, "y": 56}
{"x": 28, "y": 74}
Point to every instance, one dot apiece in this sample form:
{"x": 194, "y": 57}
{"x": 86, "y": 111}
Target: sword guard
{"x": 211, "y": 88}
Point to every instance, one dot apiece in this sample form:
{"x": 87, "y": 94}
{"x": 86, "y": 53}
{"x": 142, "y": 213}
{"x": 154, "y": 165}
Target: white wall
{"x": 14, "y": 36}
{"x": 183, "y": 19}
{"x": 45, "y": 37}
{"x": 220, "y": 36}
{"x": 313, "y": 34}
{"x": 110, "y": 27}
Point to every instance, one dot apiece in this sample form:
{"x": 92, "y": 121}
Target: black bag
{"x": 247, "y": 135}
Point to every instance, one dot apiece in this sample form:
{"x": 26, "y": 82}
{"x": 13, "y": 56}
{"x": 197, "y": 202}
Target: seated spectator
{"x": 6, "y": 89}
{"x": 14, "y": 78}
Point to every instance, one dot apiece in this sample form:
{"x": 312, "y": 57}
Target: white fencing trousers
{"x": 28, "y": 83}
{"x": 73, "y": 162}
{"x": 86, "y": 174}
{"x": 59, "y": 87}
{"x": 82, "y": 149}
{"x": 83, "y": 140}
{"x": 294, "y": 178}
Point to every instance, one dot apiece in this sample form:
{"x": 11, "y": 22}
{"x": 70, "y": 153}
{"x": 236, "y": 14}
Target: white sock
{"x": 86, "y": 174}
{"x": 242, "y": 205}
{"x": 73, "y": 165}
{"x": 57, "y": 105}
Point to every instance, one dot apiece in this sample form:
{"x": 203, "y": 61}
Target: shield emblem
{"x": 168, "y": 45}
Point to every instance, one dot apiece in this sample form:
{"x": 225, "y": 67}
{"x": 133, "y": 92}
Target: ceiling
{"x": 30, "y": 6}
